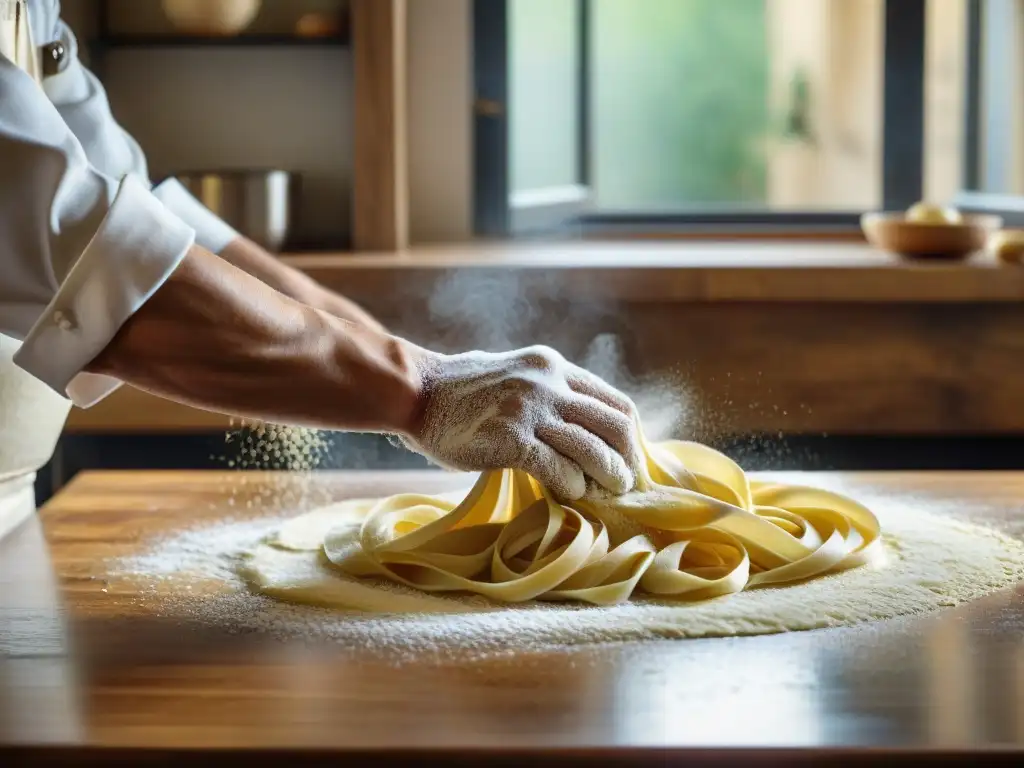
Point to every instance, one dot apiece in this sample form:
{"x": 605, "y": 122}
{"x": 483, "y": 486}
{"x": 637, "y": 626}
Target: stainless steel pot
{"x": 257, "y": 203}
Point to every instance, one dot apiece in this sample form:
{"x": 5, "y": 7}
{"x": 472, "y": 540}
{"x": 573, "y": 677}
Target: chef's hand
{"x": 254, "y": 260}
{"x": 214, "y": 337}
{"x": 531, "y": 410}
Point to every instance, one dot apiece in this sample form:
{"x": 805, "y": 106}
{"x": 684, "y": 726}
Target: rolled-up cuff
{"x": 212, "y": 232}
{"x": 87, "y": 389}
{"x": 136, "y": 248}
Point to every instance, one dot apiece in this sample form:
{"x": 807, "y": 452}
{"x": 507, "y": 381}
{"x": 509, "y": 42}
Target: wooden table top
{"x": 89, "y": 675}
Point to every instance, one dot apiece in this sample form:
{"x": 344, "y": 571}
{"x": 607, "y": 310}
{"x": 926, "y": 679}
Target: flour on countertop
{"x": 193, "y": 577}
{"x": 206, "y": 552}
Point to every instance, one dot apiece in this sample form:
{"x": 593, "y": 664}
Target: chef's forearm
{"x": 216, "y": 338}
{"x": 250, "y": 258}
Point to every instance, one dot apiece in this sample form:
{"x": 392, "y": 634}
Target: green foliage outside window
{"x": 680, "y": 111}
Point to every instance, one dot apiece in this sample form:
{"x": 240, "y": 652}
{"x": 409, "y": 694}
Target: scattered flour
{"x": 260, "y": 445}
{"x": 935, "y": 562}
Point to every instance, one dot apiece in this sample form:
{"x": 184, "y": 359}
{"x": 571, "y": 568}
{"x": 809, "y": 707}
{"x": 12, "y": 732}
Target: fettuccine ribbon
{"x": 695, "y": 528}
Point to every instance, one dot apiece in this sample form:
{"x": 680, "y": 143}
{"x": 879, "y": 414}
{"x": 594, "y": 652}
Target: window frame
{"x": 495, "y": 212}
{"x": 985, "y": 117}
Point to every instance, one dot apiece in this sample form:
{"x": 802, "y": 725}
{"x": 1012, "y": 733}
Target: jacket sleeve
{"x": 81, "y": 100}
{"x": 80, "y": 250}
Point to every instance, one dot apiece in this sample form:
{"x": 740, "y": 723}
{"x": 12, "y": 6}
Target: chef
{"x": 105, "y": 279}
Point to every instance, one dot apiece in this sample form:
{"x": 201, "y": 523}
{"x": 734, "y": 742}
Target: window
{"x": 688, "y": 113}
{"x": 532, "y": 128}
{"x": 993, "y": 161}
{"x": 744, "y": 104}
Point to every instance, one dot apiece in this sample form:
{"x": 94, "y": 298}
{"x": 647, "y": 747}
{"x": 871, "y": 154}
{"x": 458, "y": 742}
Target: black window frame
{"x": 496, "y": 211}
{"x": 986, "y": 117}
{"x": 903, "y": 114}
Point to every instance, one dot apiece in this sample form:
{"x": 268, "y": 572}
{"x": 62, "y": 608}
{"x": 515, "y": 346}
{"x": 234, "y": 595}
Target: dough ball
{"x": 1008, "y": 246}
{"x": 927, "y": 213}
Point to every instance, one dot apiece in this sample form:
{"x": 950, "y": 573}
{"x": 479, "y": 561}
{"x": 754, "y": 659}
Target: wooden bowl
{"x": 211, "y": 17}
{"x": 919, "y": 240}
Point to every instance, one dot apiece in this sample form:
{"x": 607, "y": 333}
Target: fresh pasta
{"x": 696, "y": 527}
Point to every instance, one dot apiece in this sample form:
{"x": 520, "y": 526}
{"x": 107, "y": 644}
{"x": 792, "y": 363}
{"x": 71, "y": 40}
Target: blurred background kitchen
{"x": 668, "y": 191}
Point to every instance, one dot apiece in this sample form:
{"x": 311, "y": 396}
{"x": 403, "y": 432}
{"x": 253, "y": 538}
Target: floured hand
{"x": 529, "y": 409}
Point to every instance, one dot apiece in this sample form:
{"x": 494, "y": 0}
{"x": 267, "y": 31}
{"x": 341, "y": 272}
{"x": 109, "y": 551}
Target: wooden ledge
{"x": 697, "y": 272}
{"x": 913, "y": 348}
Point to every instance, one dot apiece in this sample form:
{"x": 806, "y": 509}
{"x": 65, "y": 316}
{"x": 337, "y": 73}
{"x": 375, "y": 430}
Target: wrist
{"x": 414, "y": 361}
{"x": 379, "y": 386}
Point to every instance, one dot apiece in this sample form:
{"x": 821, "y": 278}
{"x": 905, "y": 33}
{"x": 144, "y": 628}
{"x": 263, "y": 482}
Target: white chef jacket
{"x": 85, "y": 239}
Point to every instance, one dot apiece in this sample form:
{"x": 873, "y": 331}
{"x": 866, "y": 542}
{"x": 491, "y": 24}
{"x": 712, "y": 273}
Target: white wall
{"x": 440, "y": 120}
{"x": 242, "y": 108}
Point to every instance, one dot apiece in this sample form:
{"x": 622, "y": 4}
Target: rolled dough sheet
{"x": 929, "y": 561}
{"x": 694, "y": 528}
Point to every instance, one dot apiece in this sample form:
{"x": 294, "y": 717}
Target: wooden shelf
{"x": 240, "y": 41}
{"x": 649, "y": 273}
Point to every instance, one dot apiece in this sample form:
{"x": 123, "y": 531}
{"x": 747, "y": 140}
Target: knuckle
{"x": 581, "y": 374}
{"x": 540, "y": 358}
{"x": 621, "y": 401}
{"x": 514, "y": 404}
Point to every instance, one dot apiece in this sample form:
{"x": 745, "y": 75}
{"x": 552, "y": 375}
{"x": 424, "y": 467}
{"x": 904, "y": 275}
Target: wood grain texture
{"x": 800, "y": 338}
{"x": 381, "y": 184}
{"x": 838, "y": 369}
{"x": 91, "y": 672}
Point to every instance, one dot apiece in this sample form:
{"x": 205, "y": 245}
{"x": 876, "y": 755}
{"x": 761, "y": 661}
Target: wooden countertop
{"x": 88, "y": 673}
{"x": 798, "y": 271}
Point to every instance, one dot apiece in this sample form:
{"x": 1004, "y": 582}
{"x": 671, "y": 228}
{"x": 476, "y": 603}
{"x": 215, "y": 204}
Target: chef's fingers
{"x": 612, "y": 426}
{"x": 558, "y": 473}
{"x": 584, "y": 382}
{"x": 596, "y": 458}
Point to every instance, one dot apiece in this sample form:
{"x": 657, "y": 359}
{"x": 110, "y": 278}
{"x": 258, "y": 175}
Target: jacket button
{"x": 64, "y": 321}
{"x": 53, "y": 58}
